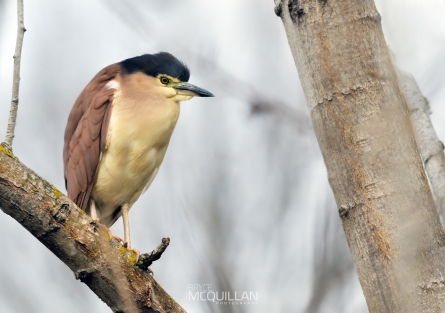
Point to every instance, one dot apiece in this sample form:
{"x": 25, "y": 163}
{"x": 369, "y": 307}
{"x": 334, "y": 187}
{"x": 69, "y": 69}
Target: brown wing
{"x": 85, "y": 135}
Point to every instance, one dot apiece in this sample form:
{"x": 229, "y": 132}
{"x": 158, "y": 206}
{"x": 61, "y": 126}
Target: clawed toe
{"x": 138, "y": 254}
{"x": 112, "y": 236}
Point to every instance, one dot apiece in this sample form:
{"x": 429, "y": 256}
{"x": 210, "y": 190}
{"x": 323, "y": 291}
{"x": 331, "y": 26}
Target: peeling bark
{"x": 83, "y": 245}
{"x": 362, "y": 124}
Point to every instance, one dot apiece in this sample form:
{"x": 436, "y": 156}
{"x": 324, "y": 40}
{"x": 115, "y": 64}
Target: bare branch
{"x": 16, "y": 78}
{"x": 259, "y": 102}
{"x": 147, "y": 259}
{"x": 83, "y": 245}
{"x": 430, "y": 147}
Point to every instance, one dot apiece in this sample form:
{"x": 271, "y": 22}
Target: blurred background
{"x": 243, "y": 191}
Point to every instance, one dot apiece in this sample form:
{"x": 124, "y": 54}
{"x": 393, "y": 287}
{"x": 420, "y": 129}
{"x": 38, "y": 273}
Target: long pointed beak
{"x": 187, "y": 89}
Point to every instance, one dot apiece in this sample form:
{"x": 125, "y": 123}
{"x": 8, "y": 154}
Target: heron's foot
{"x": 138, "y": 254}
{"x": 127, "y": 245}
{"x": 112, "y": 236}
{"x": 147, "y": 259}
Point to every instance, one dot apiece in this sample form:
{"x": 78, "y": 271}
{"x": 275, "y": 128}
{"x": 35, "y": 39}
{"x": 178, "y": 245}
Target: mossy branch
{"x": 83, "y": 245}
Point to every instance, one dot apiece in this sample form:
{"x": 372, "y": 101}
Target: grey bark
{"x": 83, "y": 245}
{"x": 16, "y": 77}
{"x": 430, "y": 147}
{"x": 374, "y": 169}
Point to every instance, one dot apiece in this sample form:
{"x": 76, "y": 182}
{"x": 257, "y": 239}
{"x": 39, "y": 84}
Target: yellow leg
{"x": 93, "y": 211}
{"x": 125, "y": 208}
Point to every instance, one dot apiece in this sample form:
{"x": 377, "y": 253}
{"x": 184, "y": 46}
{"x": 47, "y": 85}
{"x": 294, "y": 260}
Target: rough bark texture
{"x": 362, "y": 125}
{"x": 104, "y": 265}
{"x": 430, "y": 147}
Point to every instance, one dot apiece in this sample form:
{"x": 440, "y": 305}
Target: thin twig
{"x": 16, "y": 78}
{"x": 147, "y": 259}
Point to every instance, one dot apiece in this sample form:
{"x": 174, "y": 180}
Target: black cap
{"x": 155, "y": 64}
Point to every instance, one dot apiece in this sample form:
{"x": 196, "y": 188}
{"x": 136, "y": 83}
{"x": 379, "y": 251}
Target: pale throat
{"x": 178, "y": 98}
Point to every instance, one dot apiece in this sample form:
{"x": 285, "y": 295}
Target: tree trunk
{"x": 362, "y": 125}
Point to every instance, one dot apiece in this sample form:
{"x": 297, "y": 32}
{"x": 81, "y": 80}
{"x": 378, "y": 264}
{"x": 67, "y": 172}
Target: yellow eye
{"x": 165, "y": 80}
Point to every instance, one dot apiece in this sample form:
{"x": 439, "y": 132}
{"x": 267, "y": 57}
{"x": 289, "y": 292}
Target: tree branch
{"x": 83, "y": 245}
{"x": 430, "y": 147}
{"x": 147, "y": 259}
{"x": 16, "y": 78}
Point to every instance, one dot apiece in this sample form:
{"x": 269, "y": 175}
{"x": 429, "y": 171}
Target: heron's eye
{"x": 165, "y": 80}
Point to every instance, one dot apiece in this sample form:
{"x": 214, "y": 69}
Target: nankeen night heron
{"x": 118, "y": 132}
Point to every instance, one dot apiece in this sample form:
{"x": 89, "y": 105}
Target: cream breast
{"x": 134, "y": 151}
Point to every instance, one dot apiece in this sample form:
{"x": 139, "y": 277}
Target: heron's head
{"x": 166, "y": 74}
